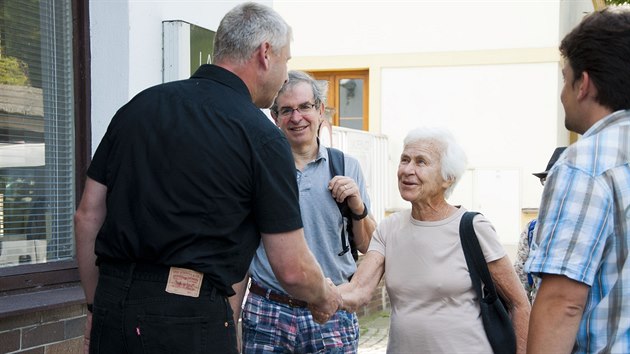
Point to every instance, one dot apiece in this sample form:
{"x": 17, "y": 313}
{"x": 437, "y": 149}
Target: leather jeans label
{"x": 182, "y": 281}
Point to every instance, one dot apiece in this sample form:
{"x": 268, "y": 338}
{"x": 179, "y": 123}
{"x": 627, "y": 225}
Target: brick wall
{"x": 51, "y": 331}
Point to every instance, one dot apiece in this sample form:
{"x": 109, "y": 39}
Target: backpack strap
{"x": 336, "y": 164}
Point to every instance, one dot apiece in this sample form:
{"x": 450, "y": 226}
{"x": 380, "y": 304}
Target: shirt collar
{"x": 321, "y": 152}
{"x": 607, "y": 121}
{"x": 222, "y": 76}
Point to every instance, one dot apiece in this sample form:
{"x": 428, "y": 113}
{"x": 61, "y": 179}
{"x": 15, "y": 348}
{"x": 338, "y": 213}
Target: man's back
{"x": 188, "y": 178}
{"x": 194, "y": 156}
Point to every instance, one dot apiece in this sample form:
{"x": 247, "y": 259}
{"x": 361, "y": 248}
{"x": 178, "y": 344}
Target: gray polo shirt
{"x": 322, "y": 223}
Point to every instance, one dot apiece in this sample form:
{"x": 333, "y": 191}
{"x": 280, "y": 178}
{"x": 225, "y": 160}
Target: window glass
{"x": 36, "y": 132}
{"x": 347, "y": 98}
{"x": 351, "y": 103}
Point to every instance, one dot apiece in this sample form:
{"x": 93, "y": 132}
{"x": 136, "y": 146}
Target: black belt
{"x": 142, "y": 271}
{"x": 275, "y": 296}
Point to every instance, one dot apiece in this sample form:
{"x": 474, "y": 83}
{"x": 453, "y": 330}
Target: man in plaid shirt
{"x": 581, "y": 241}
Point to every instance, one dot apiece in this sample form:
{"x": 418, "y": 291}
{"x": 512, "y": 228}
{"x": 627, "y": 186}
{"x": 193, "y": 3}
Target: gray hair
{"x": 320, "y": 88}
{"x": 452, "y": 155}
{"x": 244, "y": 28}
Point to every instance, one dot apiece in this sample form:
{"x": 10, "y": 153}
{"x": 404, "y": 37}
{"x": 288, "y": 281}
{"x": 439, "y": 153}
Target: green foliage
{"x": 617, "y": 2}
{"x": 13, "y": 71}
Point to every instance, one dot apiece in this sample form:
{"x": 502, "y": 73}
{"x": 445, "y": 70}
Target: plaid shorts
{"x": 270, "y": 327}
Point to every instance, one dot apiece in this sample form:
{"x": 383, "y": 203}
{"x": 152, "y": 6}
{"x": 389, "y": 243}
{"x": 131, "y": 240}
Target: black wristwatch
{"x": 90, "y": 307}
{"x": 359, "y": 217}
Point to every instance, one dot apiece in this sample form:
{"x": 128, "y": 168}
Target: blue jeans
{"x": 134, "y": 314}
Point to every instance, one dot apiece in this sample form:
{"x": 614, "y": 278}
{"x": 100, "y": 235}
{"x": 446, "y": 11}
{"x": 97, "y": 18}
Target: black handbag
{"x": 496, "y": 320}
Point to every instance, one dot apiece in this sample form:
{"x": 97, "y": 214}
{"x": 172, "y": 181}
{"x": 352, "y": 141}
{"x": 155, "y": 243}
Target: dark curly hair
{"x": 600, "y": 46}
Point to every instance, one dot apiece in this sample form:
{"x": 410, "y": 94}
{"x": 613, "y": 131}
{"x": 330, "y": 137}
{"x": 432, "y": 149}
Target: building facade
{"x": 66, "y": 66}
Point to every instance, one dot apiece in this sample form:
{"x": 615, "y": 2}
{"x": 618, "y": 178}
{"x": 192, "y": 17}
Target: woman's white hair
{"x": 244, "y": 28}
{"x": 452, "y": 156}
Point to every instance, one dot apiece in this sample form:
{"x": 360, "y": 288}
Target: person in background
{"x": 419, "y": 252}
{"x": 526, "y": 237}
{"x": 188, "y": 179}
{"x": 273, "y": 321}
{"x": 581, "y": 245}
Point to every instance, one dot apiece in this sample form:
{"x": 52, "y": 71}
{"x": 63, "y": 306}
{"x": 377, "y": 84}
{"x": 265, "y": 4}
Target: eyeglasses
{"x": 303, "y": 109}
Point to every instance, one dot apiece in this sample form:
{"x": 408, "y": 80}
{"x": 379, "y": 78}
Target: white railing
{"x": 372, "y": 152}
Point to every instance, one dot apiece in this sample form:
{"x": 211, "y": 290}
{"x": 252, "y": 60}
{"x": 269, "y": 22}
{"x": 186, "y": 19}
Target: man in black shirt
{"x": 187, "y": 180}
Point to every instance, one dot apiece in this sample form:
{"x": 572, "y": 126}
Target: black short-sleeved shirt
{"x": 194, "y": 173}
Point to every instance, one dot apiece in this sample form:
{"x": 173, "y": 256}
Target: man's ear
{"x": 263, "y": 53}
{"x": 322, "y": 109}
{"x": 585, "y": 86}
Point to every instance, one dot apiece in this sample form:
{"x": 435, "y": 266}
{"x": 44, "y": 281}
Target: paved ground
{"x": 374, "y": 333}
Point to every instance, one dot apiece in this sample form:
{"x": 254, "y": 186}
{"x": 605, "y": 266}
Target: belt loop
{"x": 128, "y": 281}
{"x": 127, "y": 285}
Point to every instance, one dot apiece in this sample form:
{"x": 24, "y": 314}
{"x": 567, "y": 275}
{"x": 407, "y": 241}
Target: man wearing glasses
{"x": 272, "y": 320}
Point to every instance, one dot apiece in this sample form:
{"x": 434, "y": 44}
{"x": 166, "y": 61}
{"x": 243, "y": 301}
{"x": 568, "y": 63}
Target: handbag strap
{"x": 475, "y": 260}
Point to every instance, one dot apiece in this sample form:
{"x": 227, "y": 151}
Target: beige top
{"x": 434, "y": 307}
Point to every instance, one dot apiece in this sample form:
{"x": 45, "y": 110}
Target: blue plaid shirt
{"x": 584, "y": 229}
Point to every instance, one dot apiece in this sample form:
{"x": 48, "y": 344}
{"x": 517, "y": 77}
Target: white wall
{"x": 483, "y": 68}
{"x": 126, "y": 46}
{"x": 504, "y": 117}
{"x": 488, "y": 70}
{"x": 109, "y": 46}
{"x": 360, "y": 27}
{"x": 499, "y": 113}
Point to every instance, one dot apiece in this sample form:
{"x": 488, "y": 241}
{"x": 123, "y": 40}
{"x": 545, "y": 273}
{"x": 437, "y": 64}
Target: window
{"x": 37, "y": 133}
{"x": 347, "y": 104}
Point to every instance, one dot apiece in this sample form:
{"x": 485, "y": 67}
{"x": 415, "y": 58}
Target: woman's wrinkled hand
{"x": 351, "y": 299}
{"x": 323, "y": 312}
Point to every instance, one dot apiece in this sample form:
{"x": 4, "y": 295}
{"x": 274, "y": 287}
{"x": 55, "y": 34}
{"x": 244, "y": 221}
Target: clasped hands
{"x": 343, "y": 297}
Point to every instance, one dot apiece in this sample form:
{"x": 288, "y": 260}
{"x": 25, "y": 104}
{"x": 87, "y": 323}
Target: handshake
{"x": 344, "y": 297}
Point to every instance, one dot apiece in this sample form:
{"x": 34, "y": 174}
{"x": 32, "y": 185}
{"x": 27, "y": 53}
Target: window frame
{"x": 334, "y": 77}
{"x": 38, "y": 277}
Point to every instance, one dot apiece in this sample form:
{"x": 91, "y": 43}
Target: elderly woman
{"x": 434, "y": 306}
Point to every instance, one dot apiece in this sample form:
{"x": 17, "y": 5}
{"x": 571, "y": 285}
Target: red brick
{"x": 74, "y": 327}
{"x": 38, "y": 335}
{"x": 9, "y": 341}
{"x": 38, "y": 350}
{"x": 72, "y": 346}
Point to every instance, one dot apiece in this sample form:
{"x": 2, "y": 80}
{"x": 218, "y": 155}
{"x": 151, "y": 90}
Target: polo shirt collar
{"x": 322, "y": 152}
{"x": 222, "y": 76}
